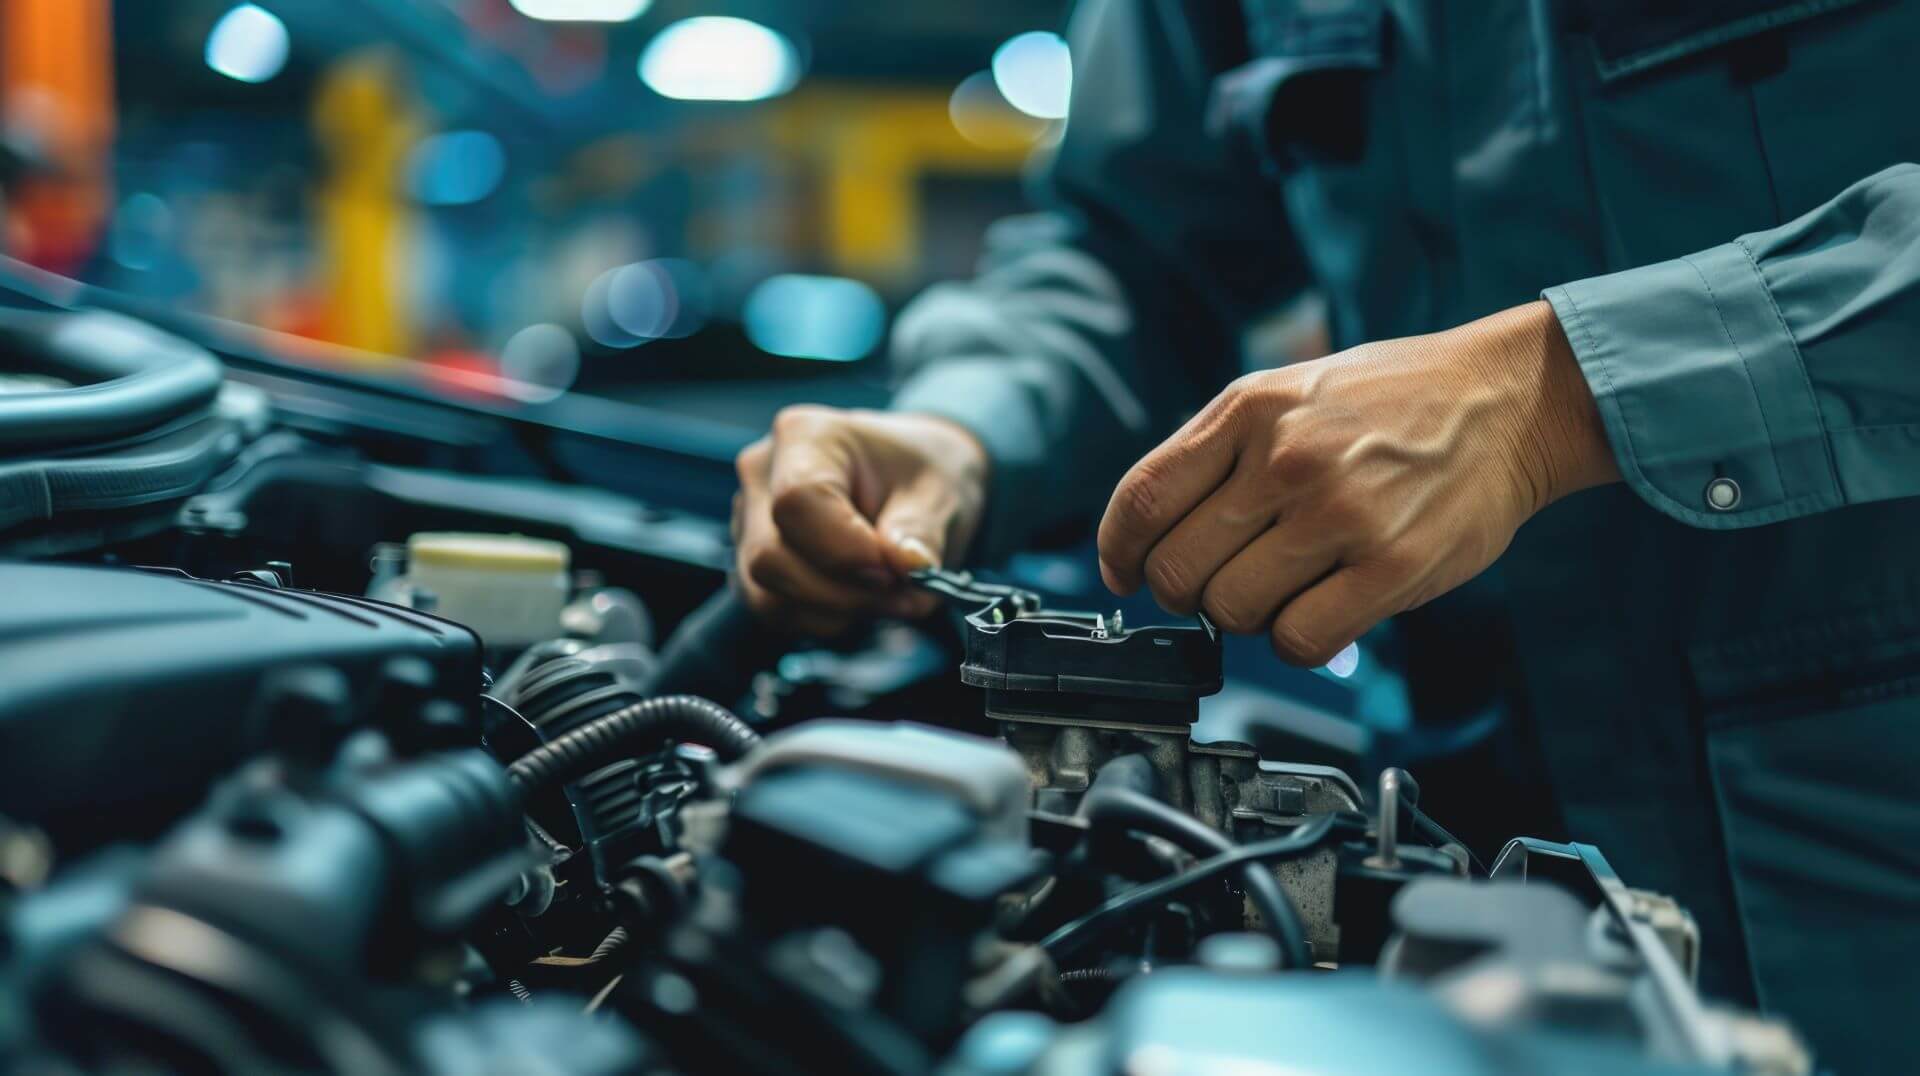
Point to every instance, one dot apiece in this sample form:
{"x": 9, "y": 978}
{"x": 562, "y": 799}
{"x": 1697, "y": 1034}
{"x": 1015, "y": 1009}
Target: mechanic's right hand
{"x": 835, "y": 507}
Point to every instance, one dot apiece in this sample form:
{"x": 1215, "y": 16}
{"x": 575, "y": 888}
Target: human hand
{"x": 835, "y": 507}
{"x": 1315, "y": 500}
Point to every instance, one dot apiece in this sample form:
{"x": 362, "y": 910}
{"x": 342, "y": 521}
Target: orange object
{"x": 56, "y": 106}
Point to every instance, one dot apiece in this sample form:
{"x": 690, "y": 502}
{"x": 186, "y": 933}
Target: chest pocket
{"x": 1707, "y": 119}
{"x": 1302, "y": 98}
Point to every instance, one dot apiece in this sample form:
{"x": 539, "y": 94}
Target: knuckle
{"x": 797, "y": 420}
{"x": 791, "y": 505}
{"x": 1138, "y": 499}
{"x": 751, "y": 461}
{"x": 1169, "y": 577}
{"x": 762, "y": 567}
{"x": 1398, "y": 561}
{"x": 1228, "y": 615}
{"x": 1293, "y": 462}
{"x": 1299, "y": 644}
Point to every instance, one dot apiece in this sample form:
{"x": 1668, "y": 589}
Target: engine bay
{"x": 362, "y": 752}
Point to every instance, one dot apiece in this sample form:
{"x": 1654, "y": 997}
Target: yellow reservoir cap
{"x": 486, "y": 552}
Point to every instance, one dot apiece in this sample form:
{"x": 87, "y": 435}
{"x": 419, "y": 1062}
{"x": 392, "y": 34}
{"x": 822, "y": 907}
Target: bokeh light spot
{"x": 456, "y": 167}
{"x": 1034, "y": 71}
{"x": 249, "y": 43}
{"x": 542, "y": 360}
{"x": 1346, "y": 662}
{"x": 582, "y": 10}
{"x": 815, "y": 317}
{"x": 984, "y": 118}
{"x": 719, "y": 58}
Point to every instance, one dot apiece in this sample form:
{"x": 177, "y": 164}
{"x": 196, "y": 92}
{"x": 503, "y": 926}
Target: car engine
{"x": 335, "y": 738}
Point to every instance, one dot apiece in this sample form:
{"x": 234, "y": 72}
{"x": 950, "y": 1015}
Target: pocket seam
{"x": 1655, "y": 56}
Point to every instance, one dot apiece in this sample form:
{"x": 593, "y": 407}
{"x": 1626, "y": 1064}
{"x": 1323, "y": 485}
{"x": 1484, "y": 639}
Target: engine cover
{"x": 126, "y": 688}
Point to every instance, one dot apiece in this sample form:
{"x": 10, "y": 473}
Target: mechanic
{"x": 1643, "y": 277}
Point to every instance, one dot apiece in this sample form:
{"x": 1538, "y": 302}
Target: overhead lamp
{"x": 1034, "y": 72}
{"x": 719, "y": 58}
{"x": 249, "y": 44}
{"x": 582, "y": 10}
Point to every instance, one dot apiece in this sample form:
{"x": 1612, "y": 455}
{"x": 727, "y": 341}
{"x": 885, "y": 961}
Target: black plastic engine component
{"x": 284, "y": 927}
{"x": 128, "y": 691}
{"x": 1048, "y": 663}
{"x": 843, "y": 919}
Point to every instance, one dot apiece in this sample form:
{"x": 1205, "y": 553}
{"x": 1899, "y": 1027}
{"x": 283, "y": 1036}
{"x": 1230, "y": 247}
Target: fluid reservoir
{"x": 507, "y": 587}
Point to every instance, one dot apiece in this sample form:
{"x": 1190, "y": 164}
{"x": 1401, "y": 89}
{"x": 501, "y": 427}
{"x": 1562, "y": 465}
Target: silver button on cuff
{"x": 1723, "y": 495}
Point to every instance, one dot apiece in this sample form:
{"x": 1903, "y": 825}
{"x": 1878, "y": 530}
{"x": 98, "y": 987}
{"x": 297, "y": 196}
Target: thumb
{"x": 913, "y": 525}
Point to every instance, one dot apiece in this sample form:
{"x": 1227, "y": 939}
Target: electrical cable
{"x": 631, "y": 728}
{"x": 1438, "y": 834}
{"x": 1071, "y": 938}
{"x": 1116, "y": 806}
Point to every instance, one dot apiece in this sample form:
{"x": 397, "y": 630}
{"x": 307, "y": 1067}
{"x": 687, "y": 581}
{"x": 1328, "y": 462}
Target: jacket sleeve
{"x": 1093, "y": 326}
{"x": 1771, "y": 377}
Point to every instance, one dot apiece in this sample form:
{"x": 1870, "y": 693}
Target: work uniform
{"x": 1723, "y": 651}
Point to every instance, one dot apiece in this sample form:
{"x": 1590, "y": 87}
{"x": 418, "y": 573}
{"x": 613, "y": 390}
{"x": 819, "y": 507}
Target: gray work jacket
{"x": 1724, "y": 650}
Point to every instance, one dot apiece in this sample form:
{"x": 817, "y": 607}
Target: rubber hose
{"x": 1126, "y": 807}
{"x": 717, "y": 649}
{"x": 1073, "y": 938}
{"x": 631, "y": 729}
{"x": 615, "y": 941}
{"x": 131, "y": 378}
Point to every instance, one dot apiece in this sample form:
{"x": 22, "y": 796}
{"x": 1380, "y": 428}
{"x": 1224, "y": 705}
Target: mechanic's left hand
{"x": 1316, "y": 500}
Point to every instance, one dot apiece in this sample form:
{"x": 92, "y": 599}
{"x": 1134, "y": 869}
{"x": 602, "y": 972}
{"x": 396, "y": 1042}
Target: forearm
{"x": 1770, "y": 377}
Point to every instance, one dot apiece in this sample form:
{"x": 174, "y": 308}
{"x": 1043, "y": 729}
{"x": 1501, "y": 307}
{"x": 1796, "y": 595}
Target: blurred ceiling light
{"x": 456, "y": 167}
{"x": 1034, "y": 71}
{"x": 582, "y": 10}
{"x": 815, "y": 317}
{"x": 719, "y": 58}
{"x": 984, "y": 118}
{"x": 249, "y": 43}
{"x": 543, "y": 360}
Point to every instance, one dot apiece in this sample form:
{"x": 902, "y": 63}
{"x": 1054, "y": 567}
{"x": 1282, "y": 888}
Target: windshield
{"x": 715, "y": 208}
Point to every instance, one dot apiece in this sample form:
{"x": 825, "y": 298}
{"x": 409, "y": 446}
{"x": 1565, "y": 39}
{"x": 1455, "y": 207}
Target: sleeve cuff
{"x": 980, "y": 396}
{"x": 1701, "y": 387}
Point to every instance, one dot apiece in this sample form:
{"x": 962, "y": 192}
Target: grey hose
{"x": 629, "y": 730}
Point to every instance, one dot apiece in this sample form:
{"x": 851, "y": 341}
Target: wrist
{"x": 1564, "y": 447}
{"x": 957, "y": 448}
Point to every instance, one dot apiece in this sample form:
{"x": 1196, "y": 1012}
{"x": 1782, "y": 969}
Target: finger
{"x": 1160, "y": 490}
{"x": 786, "y": 616}
{"x": 1318, "y": 624}
{"x": 916, "y": 528}
{"x": 782, "y": 573}
{"x": 916, "y": 522}
{"x": 1243, "y": 596}
{"x": 1180, "y": 566}
{"x": 812, "y": 506}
